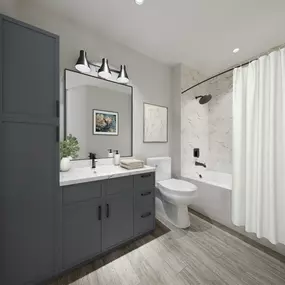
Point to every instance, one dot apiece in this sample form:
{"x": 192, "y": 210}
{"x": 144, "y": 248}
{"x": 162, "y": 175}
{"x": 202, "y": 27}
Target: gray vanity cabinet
{"x": 99, "y": 216}
{"x": 81, "y": 223}
{"x": 118, "y": 225}
{"x": 29, "y": 153}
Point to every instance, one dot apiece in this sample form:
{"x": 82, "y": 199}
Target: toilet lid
{"x": 177, "y": 185}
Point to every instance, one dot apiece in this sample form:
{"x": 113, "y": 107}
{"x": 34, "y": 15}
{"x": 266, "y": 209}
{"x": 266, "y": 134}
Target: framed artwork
{"x": 105, "y": 123}
{"x": 155, "y": 124}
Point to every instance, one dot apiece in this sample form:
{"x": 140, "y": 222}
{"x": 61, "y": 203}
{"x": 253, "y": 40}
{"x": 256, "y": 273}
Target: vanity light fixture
{"x": 104, "y": 70}
{"x": 123, "y": 75}
{"x": 82, "y": 63}
{"x": 139, "y": 2}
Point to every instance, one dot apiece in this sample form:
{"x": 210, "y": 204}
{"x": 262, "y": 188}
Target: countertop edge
{"x": 105, "y": 176}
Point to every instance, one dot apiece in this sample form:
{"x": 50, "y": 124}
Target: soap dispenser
{"x": 110, "y": 153}
{"x": 117, "y": 157}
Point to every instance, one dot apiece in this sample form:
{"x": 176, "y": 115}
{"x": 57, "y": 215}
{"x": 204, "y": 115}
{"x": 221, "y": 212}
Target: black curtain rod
{"x": 240, "y": 65}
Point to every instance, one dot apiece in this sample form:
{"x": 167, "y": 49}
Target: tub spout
{"x": 197, "y": 163}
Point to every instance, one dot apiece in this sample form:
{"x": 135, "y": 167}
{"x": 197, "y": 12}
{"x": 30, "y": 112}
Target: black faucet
{"x": 93, "y": 157}
{"x": 200, "y": 164}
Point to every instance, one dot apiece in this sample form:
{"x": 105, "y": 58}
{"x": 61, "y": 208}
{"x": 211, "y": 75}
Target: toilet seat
{"x": 178, "y": 187}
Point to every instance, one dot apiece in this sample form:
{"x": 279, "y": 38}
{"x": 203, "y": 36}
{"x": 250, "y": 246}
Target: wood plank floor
{"x": 202, "y": 254}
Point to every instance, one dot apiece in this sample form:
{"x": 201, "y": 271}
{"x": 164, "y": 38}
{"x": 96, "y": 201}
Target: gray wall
{"x": 80, "y": 104}
{"x": 151, "y": 80}
{"x": 176, "y": 121}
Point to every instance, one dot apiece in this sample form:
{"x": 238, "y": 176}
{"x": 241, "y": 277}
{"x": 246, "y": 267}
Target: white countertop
{"x": 78, "y": 175}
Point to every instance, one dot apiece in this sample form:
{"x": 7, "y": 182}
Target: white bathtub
{"x": 214, "y": 201}
{"x": 213, "y": 195}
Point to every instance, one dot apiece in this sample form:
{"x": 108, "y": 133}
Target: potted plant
{"x": 69, "y": 149}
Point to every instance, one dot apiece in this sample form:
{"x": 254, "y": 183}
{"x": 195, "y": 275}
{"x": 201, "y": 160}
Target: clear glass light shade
{"x": 82, "y": 64}
{"x": 123, "y": 75}
{"x": 104, "y": 71}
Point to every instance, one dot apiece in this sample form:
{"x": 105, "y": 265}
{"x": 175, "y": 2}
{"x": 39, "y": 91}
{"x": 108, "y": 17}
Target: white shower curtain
{"x": 258, "y": 196}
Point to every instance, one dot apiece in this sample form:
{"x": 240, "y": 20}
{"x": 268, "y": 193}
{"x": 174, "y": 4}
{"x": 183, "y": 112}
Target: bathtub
{"x": 214, "y": 201}
{"x": 213, "y": 196}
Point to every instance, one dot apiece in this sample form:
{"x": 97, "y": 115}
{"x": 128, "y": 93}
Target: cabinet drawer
{"x": 145, "y": 221}
{"x": 144, "y": 198}
{"x": 81, "y": 192}
{"x": 118, "y": 185}
{"x": 144, "y": 181}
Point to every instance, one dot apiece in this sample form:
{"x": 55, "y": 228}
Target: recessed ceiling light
{"x": 236, "y": 50}
{"x": 139, "y": 2}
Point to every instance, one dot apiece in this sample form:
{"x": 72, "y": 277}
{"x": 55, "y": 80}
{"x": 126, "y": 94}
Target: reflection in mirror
{"x": 99, "y": 114}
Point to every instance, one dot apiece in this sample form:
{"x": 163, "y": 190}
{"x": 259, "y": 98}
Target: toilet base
{"x": 177, "y": 215}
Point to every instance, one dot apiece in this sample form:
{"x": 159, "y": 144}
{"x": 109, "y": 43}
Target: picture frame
{"x": 105, "y": 123}
{"x": 155, "y": 123}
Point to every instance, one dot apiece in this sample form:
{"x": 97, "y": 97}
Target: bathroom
{"x": 77, "y": 216}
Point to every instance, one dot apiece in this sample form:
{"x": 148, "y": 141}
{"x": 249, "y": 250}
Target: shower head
{"x": 204, "y": 99}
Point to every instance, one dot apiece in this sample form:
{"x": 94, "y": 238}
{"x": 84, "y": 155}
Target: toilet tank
{"x": 163, "y": 167}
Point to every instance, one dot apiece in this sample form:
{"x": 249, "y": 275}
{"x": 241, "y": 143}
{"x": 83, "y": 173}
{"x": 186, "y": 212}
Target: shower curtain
{"x": 258, "y": 196}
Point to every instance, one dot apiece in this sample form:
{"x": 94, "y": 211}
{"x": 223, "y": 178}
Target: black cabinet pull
{"x": 57, "y": 108}
{"x": 146, "y": 193}
{"x": 146, "y": 215}
{"x": 107, "y": 211}
{"x": 99, "y": 213}
{"x": 146, "y": 175}
{"x": 57, "y": 134}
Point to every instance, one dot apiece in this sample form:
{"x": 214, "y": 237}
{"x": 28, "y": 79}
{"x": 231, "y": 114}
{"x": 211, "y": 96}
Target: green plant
{"x": 69, "y": 147}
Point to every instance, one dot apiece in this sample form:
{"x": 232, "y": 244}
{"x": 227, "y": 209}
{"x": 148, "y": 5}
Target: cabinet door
{"x": 82, "y": 232}
{"x": 27, "y": 193}
{"x": 118, "y": 224}
{"x": 29, "y": 155}
{"x": 30, "y": 70}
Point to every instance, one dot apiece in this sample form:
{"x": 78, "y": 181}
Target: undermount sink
{"x": 104, "y": 169}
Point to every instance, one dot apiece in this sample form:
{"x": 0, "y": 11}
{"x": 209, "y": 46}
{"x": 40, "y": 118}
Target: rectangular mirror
{"x": 99, "y": 113}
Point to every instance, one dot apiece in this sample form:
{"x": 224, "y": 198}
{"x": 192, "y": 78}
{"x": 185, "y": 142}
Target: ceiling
{"x": 199, "y": 33}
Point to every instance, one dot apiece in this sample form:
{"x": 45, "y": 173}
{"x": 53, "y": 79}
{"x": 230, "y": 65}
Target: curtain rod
{"x": 230, "y": 69}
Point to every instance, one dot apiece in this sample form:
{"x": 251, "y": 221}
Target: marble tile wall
{"x": 207, "y": 127}
{"x": 220, "y": 123}
{"x": 190, "y": 77}
{"x": 194, "y": 121}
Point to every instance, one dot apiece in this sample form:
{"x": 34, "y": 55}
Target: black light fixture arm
{"x": 98, "y": 66}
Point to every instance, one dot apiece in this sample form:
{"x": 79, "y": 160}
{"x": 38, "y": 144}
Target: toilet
{"x": 173, "y": 196}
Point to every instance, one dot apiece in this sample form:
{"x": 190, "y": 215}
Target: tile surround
{"x": 209, "y": 126}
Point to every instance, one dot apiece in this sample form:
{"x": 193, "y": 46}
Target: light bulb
{"x": 139, "y": 2}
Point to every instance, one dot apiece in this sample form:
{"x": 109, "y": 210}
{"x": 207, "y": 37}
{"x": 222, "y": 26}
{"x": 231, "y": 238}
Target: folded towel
{"x": 133, "y": 166}
{"x": 132, "y": 162}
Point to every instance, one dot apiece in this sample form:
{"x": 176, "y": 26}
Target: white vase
{"x": 65, "y": 164}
